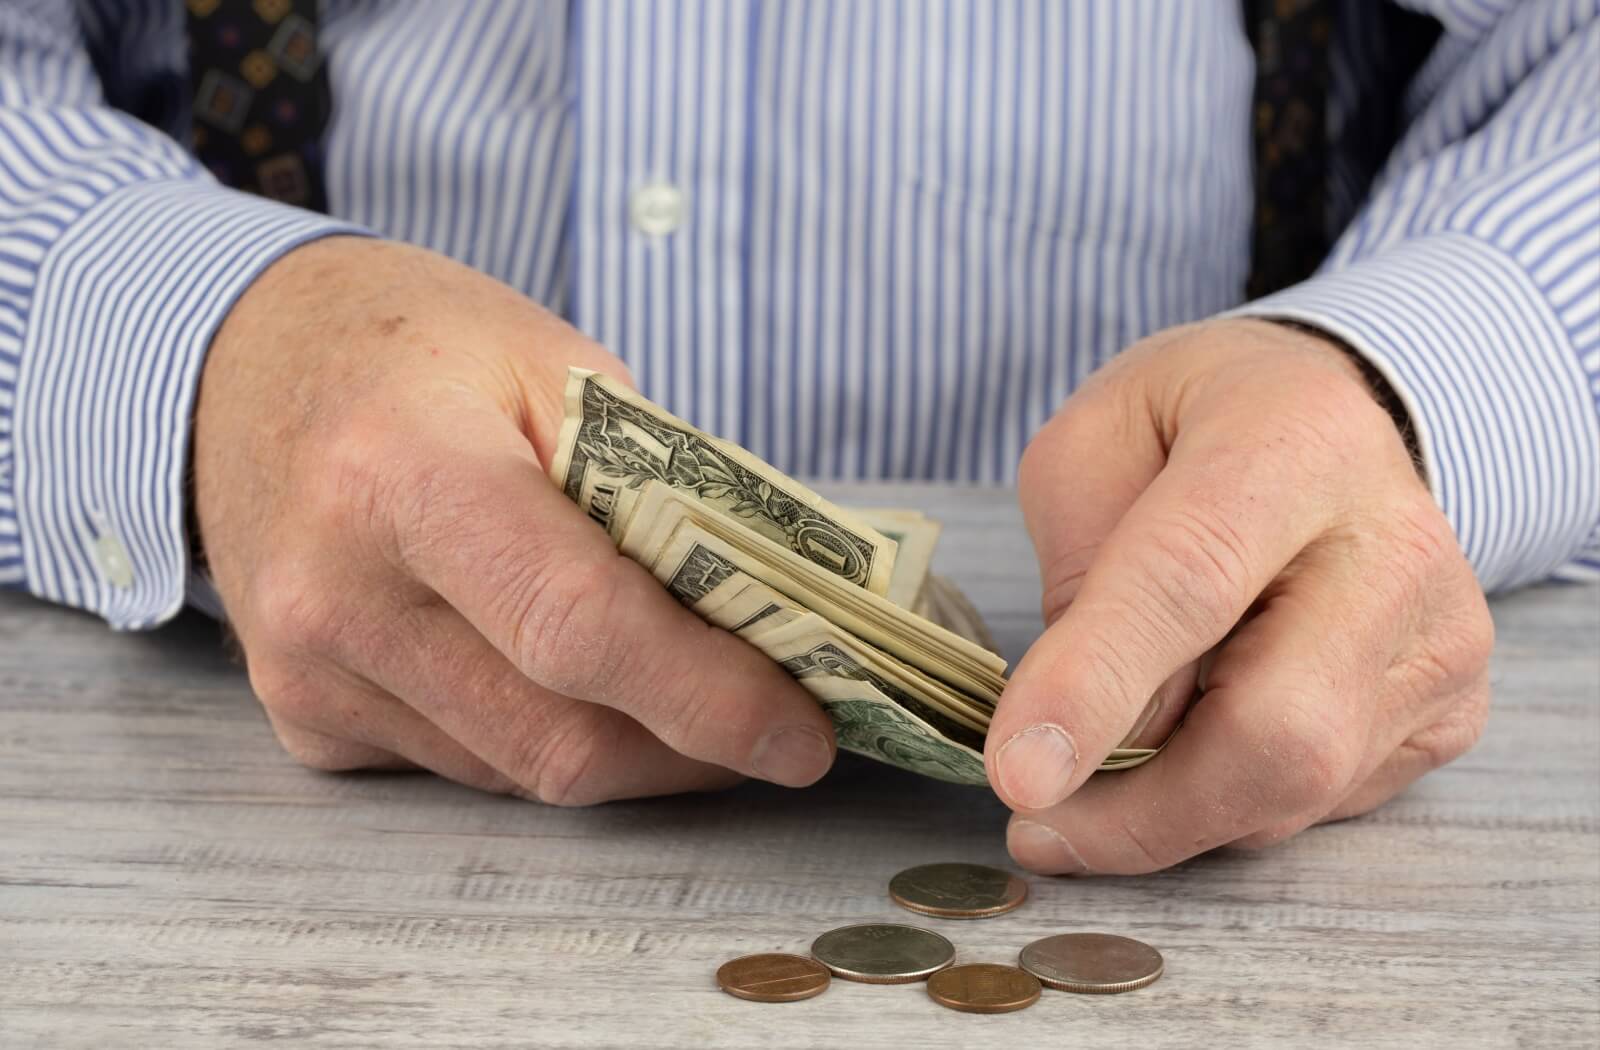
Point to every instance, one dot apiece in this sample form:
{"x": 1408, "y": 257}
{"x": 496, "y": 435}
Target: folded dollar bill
{"x": 842, "y": 599}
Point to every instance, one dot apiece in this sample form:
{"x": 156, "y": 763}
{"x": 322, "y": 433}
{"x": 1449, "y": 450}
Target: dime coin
{"x": 883, "y": 953}
{"x": 957, "y": 891}
{"x": 1092, "y": 962}
{"x": 984, "y": 988}
{"x": 773, "y": 978}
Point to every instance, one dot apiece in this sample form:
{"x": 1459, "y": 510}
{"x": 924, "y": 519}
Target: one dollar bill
{"x": 613, "y": 441}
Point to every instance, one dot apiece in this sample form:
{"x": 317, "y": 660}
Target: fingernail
{"x": 793, "y": 757}
{"x": 1143, "y": 722}
{"x": 1040, "y": 848}
{"x": 1035, "y": 766}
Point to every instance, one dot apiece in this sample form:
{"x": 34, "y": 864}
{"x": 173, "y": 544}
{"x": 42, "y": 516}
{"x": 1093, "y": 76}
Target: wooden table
{"x": 168, "y": 878}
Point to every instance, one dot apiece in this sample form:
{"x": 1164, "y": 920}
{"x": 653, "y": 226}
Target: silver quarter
{"x": 1093, "y": 963}
{"x": 883, "y": 953}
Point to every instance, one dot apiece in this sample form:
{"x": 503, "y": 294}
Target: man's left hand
{"x": 1230, "y": 493}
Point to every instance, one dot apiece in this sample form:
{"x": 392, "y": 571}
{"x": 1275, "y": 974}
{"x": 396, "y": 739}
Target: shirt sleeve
{"x": 119, "y": 258}
{"x": 1471, "y": 282}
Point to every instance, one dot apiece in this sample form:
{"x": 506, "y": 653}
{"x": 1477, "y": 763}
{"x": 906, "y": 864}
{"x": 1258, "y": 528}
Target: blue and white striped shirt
{"x": 878, "y": 240}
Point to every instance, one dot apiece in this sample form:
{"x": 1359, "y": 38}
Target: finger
{"x": 543, "y": 745}
{"x": 1443, "y": 742}
{"x": 1436, "y": 676}
{"x": 534, "y": 576}
{"x": 1399, "y": 772}
{"x": 342, "y": 721}
{"x": 1280, "y": 736}
{"x": 1173, "y": 578}
{"x": 302, "y": 700}
{"x": 329, "y": 752}
{"x": 1165, "y": 709}
{"x": 1396, "y": 774}
{"x": 1078, "y": 477}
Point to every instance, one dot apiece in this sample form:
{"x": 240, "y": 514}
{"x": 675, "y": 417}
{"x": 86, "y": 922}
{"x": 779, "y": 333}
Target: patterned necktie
{"x": 1292, "y": 41}
{"x": 260, "y": 96}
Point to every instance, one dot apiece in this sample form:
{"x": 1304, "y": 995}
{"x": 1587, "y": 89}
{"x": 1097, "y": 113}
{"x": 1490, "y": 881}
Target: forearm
{"x": 118, "y": 258}
{"x": 1471, "y": 285}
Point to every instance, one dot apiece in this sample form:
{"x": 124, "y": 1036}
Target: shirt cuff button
{"x": 111, "y": 557}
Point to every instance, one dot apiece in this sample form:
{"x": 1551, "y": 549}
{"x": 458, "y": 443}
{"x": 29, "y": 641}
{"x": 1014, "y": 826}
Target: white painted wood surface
{"x": 168, "y": 878}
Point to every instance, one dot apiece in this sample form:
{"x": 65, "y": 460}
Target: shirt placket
{"x": 661, "y": 90}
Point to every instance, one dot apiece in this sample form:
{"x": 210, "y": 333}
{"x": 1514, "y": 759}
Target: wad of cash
{"x": 842, "y": 599}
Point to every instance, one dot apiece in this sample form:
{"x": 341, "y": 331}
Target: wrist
{"x": 1362, "y": 370}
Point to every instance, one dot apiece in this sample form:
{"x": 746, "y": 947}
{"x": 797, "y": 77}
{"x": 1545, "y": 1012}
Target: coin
{"x": 1092, "y": 962}
{"x": 773, "y": 978}
{"x": 957, "y": 891}
{"x": 883, "y": 953}
{"x": 984, "y": 988}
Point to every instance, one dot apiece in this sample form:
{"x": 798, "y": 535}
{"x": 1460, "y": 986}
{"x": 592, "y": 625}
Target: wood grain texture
{"x": 169, "y": 878}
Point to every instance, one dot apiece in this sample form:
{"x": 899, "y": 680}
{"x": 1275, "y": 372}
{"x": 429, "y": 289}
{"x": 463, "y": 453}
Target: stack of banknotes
{"x": 842, "y": 599}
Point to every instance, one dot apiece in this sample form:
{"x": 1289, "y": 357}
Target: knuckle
{"x": 558, "y": 766}
{"x": 282, "y": 693}
{"x": 325, "y": 755}
{"x": 1317, "y": 755}
{"x": 294, "y": 609}
{"x": 1478, "y": 634}
{"x": 425, "y": 501}
{"x": 1453, "y": 638}
{"x": 692, "y": 717}
{"x": 1418, "y": 545}
{"x": 1457, "y": 649}
{"x": 344, "y": 485}
{"x": 1475, "y": 712}
{"x": 1299, "y": 760}
{"x": 1456, "y": 734}
{"x": 562, "y": 637}
{"x": 1151, "y": 851}
{"x": 1092, "y": 418}
{"x": 1041, "y": 455}
{"x": 1098, "y": 415}
{"x": 309, "y": 748}
{"x": 286, "y": 694}
{"x": 1268, "y": 837}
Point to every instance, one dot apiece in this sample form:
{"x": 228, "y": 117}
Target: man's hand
{"x": 1231, "y": 491}
{"x": 410, "y": 588}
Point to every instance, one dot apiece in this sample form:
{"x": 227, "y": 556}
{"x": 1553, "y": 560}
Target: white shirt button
{"x": 657, "y": 208}
{"x": 112, "y": 558}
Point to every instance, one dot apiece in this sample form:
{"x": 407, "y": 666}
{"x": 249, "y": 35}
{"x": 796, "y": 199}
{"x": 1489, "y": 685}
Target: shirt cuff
{"x": 122, "y": 308}
{"x": 1502, "y": 409}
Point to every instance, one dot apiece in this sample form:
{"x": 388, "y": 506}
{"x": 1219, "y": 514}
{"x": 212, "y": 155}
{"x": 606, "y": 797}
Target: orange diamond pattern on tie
{"x": 260, "y": 100}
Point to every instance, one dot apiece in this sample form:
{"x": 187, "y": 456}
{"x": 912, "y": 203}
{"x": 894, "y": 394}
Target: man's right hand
{"x": 410, "y": 588}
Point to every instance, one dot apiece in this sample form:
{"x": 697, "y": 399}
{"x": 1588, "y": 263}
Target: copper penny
{"x": 773, "y": 978}
{"x": 984, "y": 988}
{"x": 958, "y": 891}
{"x": 1093, "y": 963}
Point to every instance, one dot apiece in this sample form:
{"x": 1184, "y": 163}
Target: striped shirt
{"x": 865, "y": 240}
